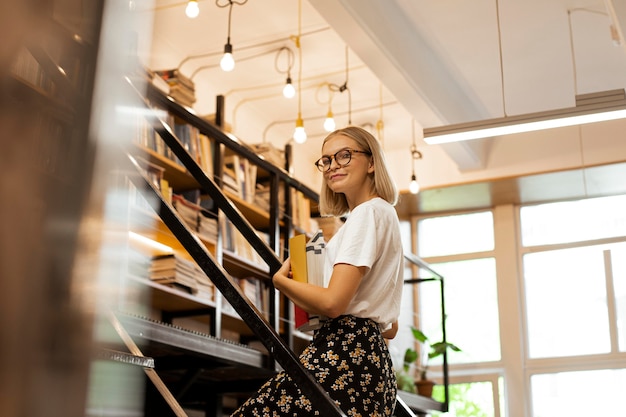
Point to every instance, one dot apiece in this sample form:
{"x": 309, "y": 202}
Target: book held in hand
{"x": 307, "y": 265}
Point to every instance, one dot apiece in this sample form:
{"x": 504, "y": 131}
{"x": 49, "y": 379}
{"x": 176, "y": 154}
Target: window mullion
{"x": 610, "y": 301}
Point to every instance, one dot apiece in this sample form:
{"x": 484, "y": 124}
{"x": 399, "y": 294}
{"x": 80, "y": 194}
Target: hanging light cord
{"x": 380, "y": 124}
{"x": 415, "y": 154}
{"x": 229, "y": 4}
{"x": 243, "y": 48}
{"x": 297, "y": 41}
{"x": 290, "y": 60}
{"x": 500, "y": 57}
{"x": 344, "y": 87}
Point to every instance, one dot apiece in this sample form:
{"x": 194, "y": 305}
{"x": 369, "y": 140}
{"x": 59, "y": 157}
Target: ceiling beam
{"x": 391, "y": 46}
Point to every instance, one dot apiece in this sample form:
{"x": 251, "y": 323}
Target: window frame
{"x": 542, "y": 366}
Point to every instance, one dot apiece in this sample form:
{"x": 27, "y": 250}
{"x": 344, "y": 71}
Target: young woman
{"x": 363, "y": 288}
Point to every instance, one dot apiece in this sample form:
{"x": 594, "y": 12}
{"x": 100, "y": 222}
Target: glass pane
{"x": 573, "y": 221}
{"x": 471, "y": 308}
{"x": 566, "y": 302}
{"x": 467, "y": 400}
{"x": 618, "y": 259}
{"x": 450, "y": 235}
{"x": 579, "y": 394}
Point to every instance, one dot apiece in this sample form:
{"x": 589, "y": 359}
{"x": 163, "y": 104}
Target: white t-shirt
{"x": 370, "y": 237}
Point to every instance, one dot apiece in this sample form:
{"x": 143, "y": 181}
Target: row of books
{"x": 254, "y": 290}
{"x": 175, "y": 271}
{"x": 240, "y": 177}
{"x": 199, "y": 146}
{"x": 147, "y": 137}
{"x": 301, "y": 211}
{"x": 239, "y": 174}
{"x": 237, "y": 244}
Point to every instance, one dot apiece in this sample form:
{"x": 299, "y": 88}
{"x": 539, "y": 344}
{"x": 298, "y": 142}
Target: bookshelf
{"x": 264, "y": 320}
{"x": 249, "y": 173}
{"x": 221, "y": 318}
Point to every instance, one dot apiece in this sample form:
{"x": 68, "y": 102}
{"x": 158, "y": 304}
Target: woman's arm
{"x": 330, "y": 302}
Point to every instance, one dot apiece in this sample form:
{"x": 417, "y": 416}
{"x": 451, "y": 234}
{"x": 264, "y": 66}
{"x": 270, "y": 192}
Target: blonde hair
{"x": 335, "y": 204}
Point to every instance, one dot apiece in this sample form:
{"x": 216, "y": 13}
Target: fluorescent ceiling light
{"x": 590, "y": 108}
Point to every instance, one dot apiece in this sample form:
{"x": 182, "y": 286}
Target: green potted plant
{"x": 420, "y": 359}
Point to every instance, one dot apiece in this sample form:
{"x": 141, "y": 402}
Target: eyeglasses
{"x": 342, "y": 158}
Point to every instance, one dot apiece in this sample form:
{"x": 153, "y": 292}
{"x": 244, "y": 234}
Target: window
{"x": 573, "y": 288}
{"x": 471, "y": 303}
{"x": 579, "y": 394}
{"x": 574, "y": 221}
{"x": 470, "y": 285}
{"x": 536, "y": 294}
{"x": 475, "y": 399}
{"x": 463, "y": 245}
{"x": 574, "y": 283}
{"x": 566, "y": 295}
{"x": 451, "y": 235}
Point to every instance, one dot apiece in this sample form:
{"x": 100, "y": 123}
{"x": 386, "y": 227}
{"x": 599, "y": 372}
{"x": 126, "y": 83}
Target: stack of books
{"x": 194, "y": 217}
{"x": 181, "y": 88}
{"x": 177, "y": 272}
{"x": 307, "y": 265}
{"x": 174, "y": 271}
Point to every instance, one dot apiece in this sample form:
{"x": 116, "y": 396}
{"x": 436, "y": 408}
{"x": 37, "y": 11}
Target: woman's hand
{"x": 283, "y": 273}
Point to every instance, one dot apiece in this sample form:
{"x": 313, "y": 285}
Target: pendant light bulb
{"x": 288, "y": 90}
{"x": 414, "y": 186}
{"x": 329, "y": 123}
{"x": 299, "y": 135}
{"x": 228, "y": 62}
{"x": 192, "y": 10}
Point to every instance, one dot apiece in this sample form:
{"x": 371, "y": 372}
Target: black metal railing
{"x": 416, "y": 260}
{"x": 218, "y": 275}
{"x": 213, "y": 270}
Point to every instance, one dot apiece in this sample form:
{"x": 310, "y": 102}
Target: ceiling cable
{"x": 252, "y": 46}
{"x": 572, "y": 51}
{"x": 299, "y": 134}
{"x": 500, "y": 57}
{"x": 344, "y": 87}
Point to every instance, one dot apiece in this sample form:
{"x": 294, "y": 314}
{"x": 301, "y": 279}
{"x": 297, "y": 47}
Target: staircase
{"x": 195, "y": 370}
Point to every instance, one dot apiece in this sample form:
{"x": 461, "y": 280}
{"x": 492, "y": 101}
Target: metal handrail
{"x": 234, "y": 295}
{"x": 416, "y": 260}
{"x": 218, "y": 275}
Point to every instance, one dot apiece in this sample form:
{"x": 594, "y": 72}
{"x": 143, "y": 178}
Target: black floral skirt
{"x": 350, "y": 359}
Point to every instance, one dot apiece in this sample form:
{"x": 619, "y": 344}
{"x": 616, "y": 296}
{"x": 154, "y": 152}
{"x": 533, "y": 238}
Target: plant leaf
{"x": 419, "y": 335}
{"x": 410, "y": 355}
{"x": 438, "y": 348}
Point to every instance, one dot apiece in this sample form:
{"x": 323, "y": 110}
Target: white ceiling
{"x": 436, "y": 62}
